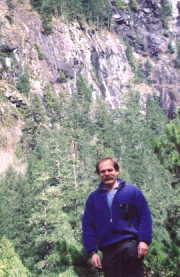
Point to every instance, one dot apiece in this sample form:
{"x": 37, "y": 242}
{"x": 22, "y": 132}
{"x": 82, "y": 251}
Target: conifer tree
{"x": 10, "y": 263}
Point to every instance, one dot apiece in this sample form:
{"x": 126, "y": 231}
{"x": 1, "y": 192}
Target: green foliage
{"x": 140, "y": 74}
{"x": 167, "y": 147}
{"x": 23, "y": 83}
{"x": 41, "y": 55}
{"x": 100, "y": 12}
{"x": 45, "y": 8}
{"x": 54, "y": 174}
{"x": 134, "y": 5}
{"x": 53, "y": 105}
{"x": 136, "y": 137}
{"x": 10, "y": 263}
{"x": 130, "y": 57}
{"x": 42, "y": 235}
{"x": 149, "y": 67}
{"x": 95, "y": 11}
{"x": 63, "y": 137}
{"x": 62, "y": 77}
{"x": 165, "y": 24}
{"x": 4, "y": 51}
{"x": 142, "y": 71}
{"x": 69, "y": 272}
{"x": 121, "y": 4}
{"x": 155, "y": 117}
{"x": 166, "y": 8}
{"x": 47, "y": 22}
{"x": 166, "y": 12}
{"x": 17, "y": 201}
{"x": 172, "y": 225}
{"x": 158, "y": 259}
{"x": 135, "y": 140}
{"x": 127, "y": 135}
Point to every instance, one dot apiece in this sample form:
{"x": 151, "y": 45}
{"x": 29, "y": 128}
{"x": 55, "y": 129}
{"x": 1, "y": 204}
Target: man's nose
{"x": 106, "y": 172}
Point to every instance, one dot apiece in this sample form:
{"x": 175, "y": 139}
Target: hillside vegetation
{"x": 41, "y": 211}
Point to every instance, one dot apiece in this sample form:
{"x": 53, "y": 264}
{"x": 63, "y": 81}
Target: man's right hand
{"x": 96, "y": 261}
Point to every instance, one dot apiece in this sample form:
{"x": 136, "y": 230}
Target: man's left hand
{"x": 142, "y": 249}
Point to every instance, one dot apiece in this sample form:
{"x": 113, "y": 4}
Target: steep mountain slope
{"x": 151, "y": 28}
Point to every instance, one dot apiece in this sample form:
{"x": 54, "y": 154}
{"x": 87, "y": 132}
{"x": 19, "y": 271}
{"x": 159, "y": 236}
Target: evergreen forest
{"x": 62, "y": 140}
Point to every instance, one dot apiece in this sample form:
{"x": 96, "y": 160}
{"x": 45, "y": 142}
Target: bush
{"x": 41, "y": 55}
{"x": 10, "y": 4}
{"x": 62, "y": 77}
{"x": 23, "y": 83}
{"x": 130, "y": 57}
{"x": 166, "y": 8}
{"x": 98, "y": 12}
{"x": 121, "y": 4}
{"x": 166, "y": 11}
{"x": 134, "y": 5}
{"x": 149, "y": 68}
{"x": 10, "y": 264}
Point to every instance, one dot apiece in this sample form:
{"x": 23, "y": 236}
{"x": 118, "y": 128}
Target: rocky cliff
{"x": 139, "y": 50}
{"x": 151, "y": 28}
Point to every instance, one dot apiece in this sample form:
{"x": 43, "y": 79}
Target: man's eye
{"x": 108, "y": 170}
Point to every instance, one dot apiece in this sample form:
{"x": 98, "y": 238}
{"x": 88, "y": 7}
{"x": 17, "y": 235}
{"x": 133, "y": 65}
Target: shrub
{"x": 130, "y": 57}
{"x": 62, "y": 77}
{"x": 10, "y": 4}
{"x": 10, "y": 264}
{"x": 149, "y": 68}
{"x": 134, "y": 5}
{"x": 121, "y": 4}
{"x": 166, "y": 11}
{"x": 41, "y": 55}
{"x": 23, "y": 83}
{"x": 166, "y": 8}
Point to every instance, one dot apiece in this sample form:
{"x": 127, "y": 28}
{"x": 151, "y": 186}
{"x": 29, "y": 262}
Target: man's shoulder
{"x": 91, "y": 198}
{"x": 93, "y": 193}
{"x": 131, "y": 188}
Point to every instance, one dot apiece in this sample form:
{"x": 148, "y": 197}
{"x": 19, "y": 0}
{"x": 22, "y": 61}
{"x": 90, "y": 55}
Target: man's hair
{"x": 115, "y": 164}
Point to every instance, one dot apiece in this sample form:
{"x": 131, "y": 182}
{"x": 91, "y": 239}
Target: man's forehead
{"x": 107, "y": 163}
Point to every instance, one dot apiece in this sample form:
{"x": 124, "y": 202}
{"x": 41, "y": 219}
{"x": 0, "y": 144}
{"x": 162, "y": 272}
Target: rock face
{"x": 98, "y": 55}
{"x": 152, "y": 29}
{"x": 141, "y": 52}
{"x": 11, "y": 127}
{"x": 60, "y": 57}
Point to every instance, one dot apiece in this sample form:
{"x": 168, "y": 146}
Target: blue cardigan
{"x": 129, "y": 217}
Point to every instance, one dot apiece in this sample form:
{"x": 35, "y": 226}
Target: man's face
{"x": 107, "y": 173}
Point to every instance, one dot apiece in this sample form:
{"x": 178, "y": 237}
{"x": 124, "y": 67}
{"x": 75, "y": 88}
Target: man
{"x": 116, "y": 221}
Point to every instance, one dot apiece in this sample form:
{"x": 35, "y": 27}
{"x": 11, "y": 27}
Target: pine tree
{"x": 10, "y": 263}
